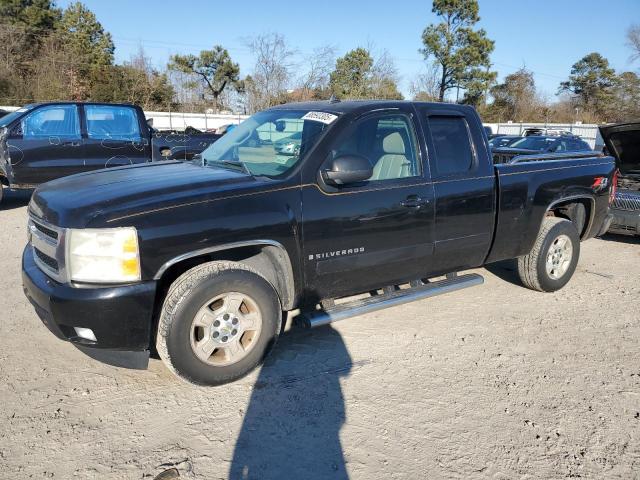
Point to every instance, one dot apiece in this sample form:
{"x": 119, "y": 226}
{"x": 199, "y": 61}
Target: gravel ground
{"x": 491, "y": 382}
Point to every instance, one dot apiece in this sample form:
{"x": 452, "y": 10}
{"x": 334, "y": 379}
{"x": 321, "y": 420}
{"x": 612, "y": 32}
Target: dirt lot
{"x": 491, "y": 382}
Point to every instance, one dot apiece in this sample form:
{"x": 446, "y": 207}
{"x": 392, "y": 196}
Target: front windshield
{"x": 269, "y": 143}
{"x": 501, "y": 142}
{"x": 10, "y": 117}
{"x": 533, "y": 143}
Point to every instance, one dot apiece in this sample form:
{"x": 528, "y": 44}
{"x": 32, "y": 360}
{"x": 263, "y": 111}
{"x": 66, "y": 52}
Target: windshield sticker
{"x": 323, "y": 117}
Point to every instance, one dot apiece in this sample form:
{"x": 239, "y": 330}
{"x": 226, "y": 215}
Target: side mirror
{"x": 348, "y": 169}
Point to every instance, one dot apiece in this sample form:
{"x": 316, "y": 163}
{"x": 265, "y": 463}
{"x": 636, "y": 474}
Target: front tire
{"x": 218, "y": 322}
{"x": 554, "y": 257}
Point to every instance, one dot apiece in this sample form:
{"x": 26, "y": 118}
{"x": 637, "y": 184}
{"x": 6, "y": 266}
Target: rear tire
{"x": 218, "y": 322}
{"x": 553, "y": 259}
{"x": 2, "y": 187}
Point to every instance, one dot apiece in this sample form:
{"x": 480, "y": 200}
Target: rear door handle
{"x": 71, "y": 144}
{"x": 414, "y": 201}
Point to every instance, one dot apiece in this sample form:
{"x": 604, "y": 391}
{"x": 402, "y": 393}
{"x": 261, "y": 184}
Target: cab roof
{"x": 363, "y": 106}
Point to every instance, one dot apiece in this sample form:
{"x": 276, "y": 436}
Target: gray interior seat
{"x": 393, "y": 163}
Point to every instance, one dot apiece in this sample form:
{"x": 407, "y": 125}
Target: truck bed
{"x": 527, "y": 189}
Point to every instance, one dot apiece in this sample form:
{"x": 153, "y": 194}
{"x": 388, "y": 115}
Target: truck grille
{"x": 48, "y": 244}
{"x": 47, "y": 231}
{"x": 46, "y": 259}
{"x": 626, "y": 201}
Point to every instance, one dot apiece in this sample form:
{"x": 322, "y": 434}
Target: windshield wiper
{"x": 235, "y": 164}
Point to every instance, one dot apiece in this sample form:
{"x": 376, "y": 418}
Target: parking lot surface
{"x": 496, "y": 381}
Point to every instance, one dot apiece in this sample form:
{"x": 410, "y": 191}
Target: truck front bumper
{"x": 119, "y": 318}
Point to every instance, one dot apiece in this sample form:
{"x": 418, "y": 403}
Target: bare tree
{"x": 426, "y": 86}
{"x": 272, "y": 72}
{"x": 633, "y": 41}
{"x": 384, "y": 77}
{"x": 319, "y": 65}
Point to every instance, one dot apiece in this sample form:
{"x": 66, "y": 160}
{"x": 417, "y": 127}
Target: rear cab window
{"x": 456, "y": 146}
{"x": 452, "y": 145}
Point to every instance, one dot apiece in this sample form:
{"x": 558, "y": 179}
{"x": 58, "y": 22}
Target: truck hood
{"x": 623, "y": 142}
{"x": 92, "y": 198}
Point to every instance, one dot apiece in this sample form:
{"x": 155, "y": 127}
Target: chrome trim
{"x": 628, "y": 201}
{"x": 217, "y": 248}
{"x": 563, "y": 167}
{"x": 399, "y": 297}
{"x": 554, "y": 156}
{"x": 54, "y": 248}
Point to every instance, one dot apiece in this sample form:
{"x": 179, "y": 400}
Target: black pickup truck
{"x": 42, "y": 142}
{"x": 382, "y": 203}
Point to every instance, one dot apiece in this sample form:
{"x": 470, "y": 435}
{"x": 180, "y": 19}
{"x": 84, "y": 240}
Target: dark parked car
{"x": 501, "y": 141}
{"x": 623, "y": 142}
{"x": 42, "y": 142}
{"x": 537, "y": 144}
{"x": 202, "y": 261}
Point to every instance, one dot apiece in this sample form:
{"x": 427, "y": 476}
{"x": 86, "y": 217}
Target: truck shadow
{"x": 612, "y": 237}
{"x": 506, "y": 270}
{"x": 291, "y": 427}
{"x": 13, "y": 199}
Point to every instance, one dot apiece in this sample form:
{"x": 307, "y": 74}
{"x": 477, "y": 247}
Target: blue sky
{"x": 547, "y": 36}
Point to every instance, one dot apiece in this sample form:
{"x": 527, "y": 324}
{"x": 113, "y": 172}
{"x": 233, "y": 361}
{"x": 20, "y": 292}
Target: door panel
{"x": 46, "y": 144}
{"x": 369, "y": 235}
{"x": 464, "y": 187}
{"x": 464, "y": 223}
{"x": 113, "y": 137}
{"x": 368, "y": 239}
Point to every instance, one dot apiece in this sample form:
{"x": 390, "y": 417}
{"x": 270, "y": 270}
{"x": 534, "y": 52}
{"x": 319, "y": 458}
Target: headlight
{"x": 104, "y": 255}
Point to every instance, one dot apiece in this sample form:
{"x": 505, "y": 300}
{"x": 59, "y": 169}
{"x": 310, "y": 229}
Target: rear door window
{"x": 112, "y": 122}
{"x": 453, "y": 151}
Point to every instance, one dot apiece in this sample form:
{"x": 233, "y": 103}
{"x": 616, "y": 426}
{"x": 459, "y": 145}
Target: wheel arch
{"x": 269, "y": 258}
{"x": 569, "y": 208}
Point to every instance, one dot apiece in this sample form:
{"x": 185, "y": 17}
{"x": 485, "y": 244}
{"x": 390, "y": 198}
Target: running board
{"x": 390, "y": 298}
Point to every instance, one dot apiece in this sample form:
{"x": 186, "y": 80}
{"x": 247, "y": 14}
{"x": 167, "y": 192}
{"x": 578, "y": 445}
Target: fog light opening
{"x": 85, "y": 333}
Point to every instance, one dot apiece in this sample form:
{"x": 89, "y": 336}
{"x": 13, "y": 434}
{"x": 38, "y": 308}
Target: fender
{"x": 592, "y": 210}
{"x": 288, "y": 291}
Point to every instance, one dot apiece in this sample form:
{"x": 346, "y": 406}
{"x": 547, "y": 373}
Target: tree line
{"x": 48, "y": 53}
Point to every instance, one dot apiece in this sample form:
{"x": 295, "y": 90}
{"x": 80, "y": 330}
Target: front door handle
{"x": 414, "y": 201}
{"x": 71, "y": 144}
